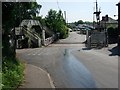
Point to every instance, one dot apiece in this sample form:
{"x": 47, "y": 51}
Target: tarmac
{"x": 36, "y": 77}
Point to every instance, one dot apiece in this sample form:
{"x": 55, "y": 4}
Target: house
{"x": 110, "y": 22}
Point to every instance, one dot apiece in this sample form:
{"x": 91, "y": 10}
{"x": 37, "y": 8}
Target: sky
{"x": 79, "y": 9}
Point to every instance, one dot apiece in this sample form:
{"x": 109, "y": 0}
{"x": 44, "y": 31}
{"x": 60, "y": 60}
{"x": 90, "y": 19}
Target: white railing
{"x": 33, "y": 36}
{"x": 49, "y": 40}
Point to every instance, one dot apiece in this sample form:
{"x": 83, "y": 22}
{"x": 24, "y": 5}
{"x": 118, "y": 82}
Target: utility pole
{"x": 118, "y": 17}
{"x": 65, "y": 15}
{"x": 97, "y": 16}
{"x": 118, "y": 28}
{"x": 93, "y": 17}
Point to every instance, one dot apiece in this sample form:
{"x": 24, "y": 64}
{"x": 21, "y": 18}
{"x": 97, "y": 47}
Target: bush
{"x": 63, "y": 31}
{"x": 1, "y": 80}
{"x": 112, "y": 35}
{"x": 12, "y": 74}
{"x": 112, "y": 32}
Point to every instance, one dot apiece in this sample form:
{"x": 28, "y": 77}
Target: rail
{"x": 32, "y": 36}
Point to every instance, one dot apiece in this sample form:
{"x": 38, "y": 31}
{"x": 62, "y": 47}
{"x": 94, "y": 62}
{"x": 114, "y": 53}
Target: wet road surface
{"x": 76, "y": 73}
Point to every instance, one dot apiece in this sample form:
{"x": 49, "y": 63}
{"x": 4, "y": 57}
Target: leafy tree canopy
{"x": 55, "y": 21}
{"x": 12, "y": 14}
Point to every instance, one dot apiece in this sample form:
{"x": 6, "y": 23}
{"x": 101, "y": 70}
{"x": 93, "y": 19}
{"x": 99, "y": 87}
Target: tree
{"x": 79, "y": 22}
{"x": 51, "y": 20}
{"x": 12, "y": 14}
{"x": 41, "y": 20}
{"x": 55, "y": 21}
{"x": 88, "y": 22}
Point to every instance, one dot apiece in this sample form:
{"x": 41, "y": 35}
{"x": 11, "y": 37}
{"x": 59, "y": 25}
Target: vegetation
{"x": 1, "y": 80}
{"x": 41, "y": 20}
{"x": 112, "y": 35}
{"x": 79, "y": 22}
{"x": 82, "y": 22}
{"x": 12, "y": 75}
{"x": 12, "y": 14}
{"x": 55, "y": 21}
{"x": 112, "y": 32}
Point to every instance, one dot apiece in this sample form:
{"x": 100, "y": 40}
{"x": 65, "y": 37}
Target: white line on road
{"x": 39, "y": 52}
{"x": 28, "y": 54}
{"x": 50, "y": 79}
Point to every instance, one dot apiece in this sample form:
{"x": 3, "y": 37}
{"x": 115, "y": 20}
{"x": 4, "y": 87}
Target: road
{"x": 73, "y": 38}
{"x": 71, "y": 65}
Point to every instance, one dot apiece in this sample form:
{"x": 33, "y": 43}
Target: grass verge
{"x": 12, "y": 74}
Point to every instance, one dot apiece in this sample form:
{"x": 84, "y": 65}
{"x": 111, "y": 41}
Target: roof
{"x": 30, "y": 23}
{"x": 111, "y": 21}
{"x": 85, "y": 26}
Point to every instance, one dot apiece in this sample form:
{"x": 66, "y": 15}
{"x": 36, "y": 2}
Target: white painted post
{"x": 43, "y": 37}
{"x": 39, "y": 42}
{"x": 17, "y": 44}
{"x": 87, "y": 38}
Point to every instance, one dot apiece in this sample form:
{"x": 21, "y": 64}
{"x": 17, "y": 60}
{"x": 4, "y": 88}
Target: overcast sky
{"x": 79, "y": 9}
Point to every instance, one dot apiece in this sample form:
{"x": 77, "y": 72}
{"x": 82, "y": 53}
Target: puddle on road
{"x": 77, "y": 74}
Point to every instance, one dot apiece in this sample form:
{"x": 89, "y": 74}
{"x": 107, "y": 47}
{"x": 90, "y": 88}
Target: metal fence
{"x": 98, "y": 37}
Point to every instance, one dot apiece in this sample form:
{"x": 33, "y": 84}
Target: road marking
{"x": 50, "y": 79}
{"x": 38, "y": 52}
{"x": 41, "y": 53}
{"x": 35, "y": 54}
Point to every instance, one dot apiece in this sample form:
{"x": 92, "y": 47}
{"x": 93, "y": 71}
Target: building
{"x": 107, "y": 22}
{"x": 31, "y": 33}
{"x": 28, "y": 34}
